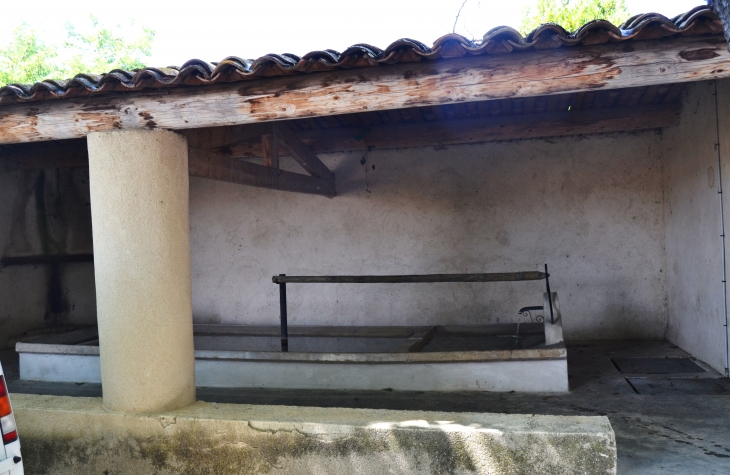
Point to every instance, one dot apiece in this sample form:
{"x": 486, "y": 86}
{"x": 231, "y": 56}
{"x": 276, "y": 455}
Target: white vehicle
{"x": 10, "y": 461}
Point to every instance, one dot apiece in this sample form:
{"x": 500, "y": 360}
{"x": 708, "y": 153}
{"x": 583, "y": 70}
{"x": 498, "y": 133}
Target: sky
{"x": 213, "y": 29}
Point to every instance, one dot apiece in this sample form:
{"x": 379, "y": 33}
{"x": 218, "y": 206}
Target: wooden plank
{"x": 270, "y": 149}
{"x": 221, "y": 137}
{"x": 220, "y": 167}
{"x": 420, "y": 338}
{"x": 470, "y": 78}
{"x": 435, "y": 133}
{"x": 301, "y": 152}
{"x": 42, "y": 259}
{"x": 431, "y": 133}
{"x": 54, "y": 154}
{"x": 309, "y": 331}
{"x": 408, "y": 279}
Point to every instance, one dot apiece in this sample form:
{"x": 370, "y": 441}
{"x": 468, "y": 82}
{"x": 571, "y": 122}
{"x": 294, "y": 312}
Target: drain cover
{"x": 696, "y": 387}
{"x": 656, "y": 365}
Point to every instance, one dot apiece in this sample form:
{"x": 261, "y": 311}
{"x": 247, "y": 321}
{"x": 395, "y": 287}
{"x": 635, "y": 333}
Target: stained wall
{"x": 45, "y": 212}
{"x": 695, "y": 291}
{"x": 591, "y": 207}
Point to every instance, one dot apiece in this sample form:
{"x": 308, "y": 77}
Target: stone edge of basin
{"x": 556, "y": 351}
{"x": 76, "y": 435}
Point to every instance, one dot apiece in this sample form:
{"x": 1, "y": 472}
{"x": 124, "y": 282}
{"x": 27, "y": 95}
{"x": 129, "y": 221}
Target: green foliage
{"x": 91, "y": 48}
{"x": 26, "y": 59}
{"x": 100, "y": 49}
{"x": 572, "y": 14}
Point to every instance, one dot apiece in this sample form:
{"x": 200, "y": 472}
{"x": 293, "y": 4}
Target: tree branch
{"x": 453, "y": 30}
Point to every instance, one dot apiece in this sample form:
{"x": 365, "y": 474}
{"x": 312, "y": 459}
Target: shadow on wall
{"x": 46, "y": 222}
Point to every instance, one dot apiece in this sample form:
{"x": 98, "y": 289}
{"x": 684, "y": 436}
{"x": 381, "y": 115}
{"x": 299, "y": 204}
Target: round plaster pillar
{"x": 139, "y": 211}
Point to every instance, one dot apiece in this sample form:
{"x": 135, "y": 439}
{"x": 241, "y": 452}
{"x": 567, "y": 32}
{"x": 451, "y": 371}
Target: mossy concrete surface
{"x": 64, "y": 435}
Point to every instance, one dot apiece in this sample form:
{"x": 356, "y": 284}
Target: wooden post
{"x": 270, "y": 148}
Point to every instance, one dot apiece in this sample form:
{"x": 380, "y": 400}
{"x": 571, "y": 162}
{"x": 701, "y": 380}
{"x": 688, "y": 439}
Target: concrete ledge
{"x": 234, "y": 369}
{"x": 62, "y": 435}
{"x": 555, "y": 351}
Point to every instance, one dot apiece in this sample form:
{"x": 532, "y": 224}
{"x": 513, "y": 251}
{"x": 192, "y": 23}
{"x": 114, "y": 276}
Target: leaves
{"x": 91, "y": 48}
{"x": 572, "y": 14}
{"x": 26, "y": 59}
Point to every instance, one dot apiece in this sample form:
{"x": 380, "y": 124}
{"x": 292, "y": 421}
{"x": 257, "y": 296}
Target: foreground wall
{"x": 45, "y": 213}
{"x": 62, "y": 435}
{"x": 591, "y": 207}
{"x": 696, "y": 315}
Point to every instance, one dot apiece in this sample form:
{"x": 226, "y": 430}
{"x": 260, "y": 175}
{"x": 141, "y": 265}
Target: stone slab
{"x": 63, "y": 435}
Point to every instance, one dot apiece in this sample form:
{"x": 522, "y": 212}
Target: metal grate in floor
{"x": 656, "y": 365}
{"x": 669, "y": 386}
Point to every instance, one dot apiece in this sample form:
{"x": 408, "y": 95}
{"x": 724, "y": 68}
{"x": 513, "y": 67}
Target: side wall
{"x": 591, "y": 207}
{"x": 693, "y": 235}
{"x": 45, "y": 212}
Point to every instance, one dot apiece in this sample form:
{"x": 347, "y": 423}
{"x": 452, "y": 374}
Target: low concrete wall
{"x": 61, "y": 435}
{"x": 526, "y": 370}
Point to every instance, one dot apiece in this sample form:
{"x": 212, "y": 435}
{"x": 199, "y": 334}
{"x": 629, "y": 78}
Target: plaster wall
{"x": 693, "y": 234}
{"x": 591, "y": 207}
{"x": 45, "y": 212}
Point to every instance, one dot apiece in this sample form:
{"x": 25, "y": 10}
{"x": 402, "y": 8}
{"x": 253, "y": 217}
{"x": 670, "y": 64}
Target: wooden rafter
{"x": 534, "y": 73}
{"x": 301, "y": 151}
{"x": 223, "y": 168}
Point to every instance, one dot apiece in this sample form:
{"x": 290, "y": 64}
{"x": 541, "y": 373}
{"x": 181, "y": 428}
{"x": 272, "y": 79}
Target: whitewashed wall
{"x": 591, "y": 207}
{"x": 696, "y": 315}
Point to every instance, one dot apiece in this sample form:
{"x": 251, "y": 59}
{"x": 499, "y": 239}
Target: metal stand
{"x": 282, "y": 279}
{"x": 550, "y": 296}
{"x": 282, "y": 308}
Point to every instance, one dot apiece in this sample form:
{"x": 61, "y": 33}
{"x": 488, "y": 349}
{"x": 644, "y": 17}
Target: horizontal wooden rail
{"x": 413, "y": 279}
{"x": 45, "y": 259}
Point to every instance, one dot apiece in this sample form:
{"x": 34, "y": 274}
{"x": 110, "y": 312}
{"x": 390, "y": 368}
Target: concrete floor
{"x": 679, "y": 425}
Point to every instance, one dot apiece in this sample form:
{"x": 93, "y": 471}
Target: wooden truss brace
{"x": 210, "y": 156}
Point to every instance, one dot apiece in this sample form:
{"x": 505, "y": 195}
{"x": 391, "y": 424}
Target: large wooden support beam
{"x": 534, "y": 73}
{"x": 220, "y": 167}
{"x": 420, "y": 134}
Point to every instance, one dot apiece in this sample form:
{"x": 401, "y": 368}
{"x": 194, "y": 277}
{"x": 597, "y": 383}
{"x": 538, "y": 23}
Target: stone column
{"x": 139, "y": 211}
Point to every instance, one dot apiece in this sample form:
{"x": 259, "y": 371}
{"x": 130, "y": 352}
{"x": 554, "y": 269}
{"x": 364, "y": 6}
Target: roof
{"x": 501, "y": 40}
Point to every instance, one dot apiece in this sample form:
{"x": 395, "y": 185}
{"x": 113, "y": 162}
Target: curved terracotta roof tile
{"x": 500, "y": 40}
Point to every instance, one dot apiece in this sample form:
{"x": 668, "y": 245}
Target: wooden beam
{"x": 220, "y": 167}
{"x": 471, "y": 78}
{"x": 301, "y": 152}
{"x": 222, "y": 137}
{"x": 452, "y": 132}
{"x": 56, "y": 154}
{"x": 270, "y": 150}
{"x": 419, "y": 134}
